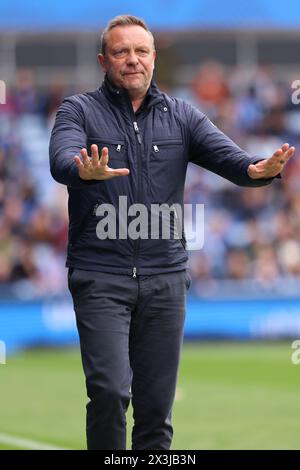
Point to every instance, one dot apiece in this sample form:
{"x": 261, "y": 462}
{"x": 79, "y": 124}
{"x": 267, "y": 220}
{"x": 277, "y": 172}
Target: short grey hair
{"x": 123, "y": 20}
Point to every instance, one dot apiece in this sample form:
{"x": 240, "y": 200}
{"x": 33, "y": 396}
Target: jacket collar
{"x": 120, "y": 96}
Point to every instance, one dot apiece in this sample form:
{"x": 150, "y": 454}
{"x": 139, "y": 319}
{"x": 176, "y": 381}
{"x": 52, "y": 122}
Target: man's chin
{"x": 133, "y": 80}
{"x": 135, "y": 85}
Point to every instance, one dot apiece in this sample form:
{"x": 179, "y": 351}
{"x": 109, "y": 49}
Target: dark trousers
{"x": 131, "y": 332}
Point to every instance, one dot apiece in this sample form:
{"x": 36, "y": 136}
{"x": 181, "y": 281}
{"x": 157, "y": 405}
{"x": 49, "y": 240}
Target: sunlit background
{"x": 237, "y": 61}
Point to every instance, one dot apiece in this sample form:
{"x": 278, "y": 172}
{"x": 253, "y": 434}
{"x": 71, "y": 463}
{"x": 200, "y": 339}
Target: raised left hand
{"x": 273, "y": 165}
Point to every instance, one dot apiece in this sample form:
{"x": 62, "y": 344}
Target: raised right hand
{"x": 95, "y": 167}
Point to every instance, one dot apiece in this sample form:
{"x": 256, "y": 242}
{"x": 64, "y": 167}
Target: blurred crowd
{"x": 251, "y": 236}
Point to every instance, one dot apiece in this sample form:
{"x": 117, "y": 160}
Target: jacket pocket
{"x": 167, "y": 168}
{"x": 164, "y": 148}
{"x": 116, "y": 150}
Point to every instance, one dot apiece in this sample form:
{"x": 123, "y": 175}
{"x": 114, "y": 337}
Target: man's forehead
{"x": 126, "y": 35}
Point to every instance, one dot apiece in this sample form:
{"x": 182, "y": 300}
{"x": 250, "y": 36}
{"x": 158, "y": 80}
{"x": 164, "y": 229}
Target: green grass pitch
{"x": 229, "y": 396}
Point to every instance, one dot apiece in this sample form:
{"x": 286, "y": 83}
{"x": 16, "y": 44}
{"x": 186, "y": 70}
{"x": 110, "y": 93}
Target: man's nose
{"x": 132, "y": 59}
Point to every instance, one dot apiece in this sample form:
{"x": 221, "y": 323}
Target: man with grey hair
{"x": 129, "y": 294}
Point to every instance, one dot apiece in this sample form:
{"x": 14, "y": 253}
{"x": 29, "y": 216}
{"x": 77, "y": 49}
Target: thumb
{"x": 252, "y": 171}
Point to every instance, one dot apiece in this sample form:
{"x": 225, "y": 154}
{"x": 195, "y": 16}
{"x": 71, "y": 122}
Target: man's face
{"x": 129, "y": 58}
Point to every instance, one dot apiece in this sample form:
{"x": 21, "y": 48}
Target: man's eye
{"x": 120, "y": 53}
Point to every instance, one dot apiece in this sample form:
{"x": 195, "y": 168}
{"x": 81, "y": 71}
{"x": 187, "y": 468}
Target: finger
{"x": 290, "y": 152}
{"x": 104, "y": 156}
{"x": 95, "y": 155}
{"x": 285, "y": 147}
{"x": 83, "y": 152}
{"x": 118, "y": 172}
{"x": 78, "y": 161}
{"x": 278, "y": 153}
{"x": 281, "y": 155}
{"x": 85, "y": 158}
{"x": 287, "y": 155}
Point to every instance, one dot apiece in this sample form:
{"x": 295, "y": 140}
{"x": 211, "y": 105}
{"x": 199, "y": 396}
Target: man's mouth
{"x": 131, "y": 73}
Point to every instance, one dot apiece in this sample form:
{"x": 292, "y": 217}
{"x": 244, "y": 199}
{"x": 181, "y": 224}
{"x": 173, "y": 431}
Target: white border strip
{"x": 26, "y": 443}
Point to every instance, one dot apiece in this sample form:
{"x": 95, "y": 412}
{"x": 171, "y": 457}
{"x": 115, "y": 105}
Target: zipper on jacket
{"x": 137, "y": 131}
{"x": 138, "y": 136}
{"x": 156, "y": 149}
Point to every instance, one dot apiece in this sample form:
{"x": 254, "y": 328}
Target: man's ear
{"x": 101, "y": 60}
{"x": 154, "y": 57}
